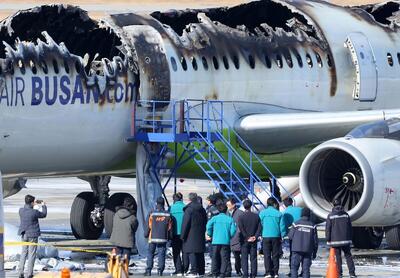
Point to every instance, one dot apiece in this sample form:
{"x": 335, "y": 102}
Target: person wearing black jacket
{"x": 304, "y": 238}
{"x": 339, "y": 236}
{"x": 249, "y": 231}
{"x": 193, "y": 234}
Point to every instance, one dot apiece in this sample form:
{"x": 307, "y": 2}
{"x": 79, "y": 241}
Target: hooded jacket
{"x": 304, "y": 237}
{"x": 29, "y": 217}
{"x": 338, "y": 228}
{"x": 124, "y": 228}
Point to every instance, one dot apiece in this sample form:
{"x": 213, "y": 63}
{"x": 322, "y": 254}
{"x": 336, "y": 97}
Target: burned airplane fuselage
{"x": 67, "y": 82}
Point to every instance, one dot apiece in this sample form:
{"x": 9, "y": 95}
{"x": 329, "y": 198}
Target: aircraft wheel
{"x": 81, "y": 221}
{"x": 113, "y": 202}
{"x": 367, "y": 237}
{"x": 393, "y": 237}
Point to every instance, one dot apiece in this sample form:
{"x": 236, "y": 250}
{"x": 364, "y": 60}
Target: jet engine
{"x": 362, "y": 170}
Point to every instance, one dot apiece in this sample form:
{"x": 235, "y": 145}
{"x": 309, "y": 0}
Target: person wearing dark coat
{"x": 249, "y": 226}
{"x": 29, "y": 230}
{"x": 304, "y": 239}
{"x": 338, "y": 233}
{"x": 193, "y": 234}
{"x": 124, "y": 228}
{"x": 235, "y": 213}
{"x": 158, "y": 231}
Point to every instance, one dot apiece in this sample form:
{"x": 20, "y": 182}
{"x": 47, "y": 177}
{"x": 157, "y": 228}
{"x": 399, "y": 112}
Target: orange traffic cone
{"x": 332, "y": 271}
{"x": 65, "y": 273}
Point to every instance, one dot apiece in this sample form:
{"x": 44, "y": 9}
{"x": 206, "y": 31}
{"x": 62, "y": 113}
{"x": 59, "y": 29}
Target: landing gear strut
{"x": 87, "y": 211}
{"x": 367, "y": 237}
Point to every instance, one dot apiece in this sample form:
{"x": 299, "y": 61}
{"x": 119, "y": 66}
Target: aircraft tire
{"x": 113, "y": 202}
{"x": 393, "y": 237}
{"x": 81, "y": 224}
{"x": 367, "y": 237}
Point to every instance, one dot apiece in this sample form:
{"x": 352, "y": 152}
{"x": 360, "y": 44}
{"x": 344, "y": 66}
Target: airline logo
{"x": 61, "y": 90}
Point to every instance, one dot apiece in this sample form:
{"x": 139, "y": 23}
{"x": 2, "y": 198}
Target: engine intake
{"x": 362, "y": 172}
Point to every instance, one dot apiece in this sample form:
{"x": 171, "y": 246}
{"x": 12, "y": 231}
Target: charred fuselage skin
{"x": 68, "y": 83}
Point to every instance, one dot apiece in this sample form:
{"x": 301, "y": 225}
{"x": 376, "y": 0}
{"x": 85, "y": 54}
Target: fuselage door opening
{"x": 366, "y": 72}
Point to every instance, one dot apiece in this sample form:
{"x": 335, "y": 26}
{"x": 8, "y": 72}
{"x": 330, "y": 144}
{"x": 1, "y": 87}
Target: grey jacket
{"x": 235, "y": 240}
{"x": 124, "y": 228}
{"x": 29, "y": 217}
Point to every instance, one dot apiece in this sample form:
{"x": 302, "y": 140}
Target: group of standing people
{"x": 223, "y": 230}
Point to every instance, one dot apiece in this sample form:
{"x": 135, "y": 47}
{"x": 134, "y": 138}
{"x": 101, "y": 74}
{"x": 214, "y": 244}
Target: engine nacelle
{"x": 362, "y": 172}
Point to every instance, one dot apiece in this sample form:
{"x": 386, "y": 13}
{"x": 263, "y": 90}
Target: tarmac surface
{"x": 59, "y": 194}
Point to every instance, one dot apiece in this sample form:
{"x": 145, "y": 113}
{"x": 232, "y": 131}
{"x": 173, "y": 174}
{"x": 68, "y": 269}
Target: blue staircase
{"x": 207, "y": 138}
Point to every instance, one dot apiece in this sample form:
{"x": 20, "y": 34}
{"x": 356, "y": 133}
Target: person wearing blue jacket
{"x": 176, "y": 211}
{"x": 273, "y": 230}
{"x": 221, "y": 229}
{"x": 290, "y": 215}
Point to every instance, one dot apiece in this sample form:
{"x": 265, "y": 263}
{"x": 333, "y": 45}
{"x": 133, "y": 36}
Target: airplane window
{"x": 1, "y": 70}
{"x": 183, "y": 63}
{"x": 55, "y": 65}
{"x": 21, "y": 66}
{"x": 309, "y": 60}
{"x": 390, "y": 59}
{"x": 329, "y": 60}
{"x": 44, "y": 67}
{"x": 289, "y": 61}
{"x": 194, "y": 63}
{"x": 204, "y": 61}
{"x": 33, "y": 66}
{"x": 299, "y": 60}
{"x": 10, "y": 67}
{"x": 319, "y": 60}
{"x": 225, "y": 61}
{"x": 362, "y": 55}
{"x": 252, "y": 63}
{"x": 173, "y": 64}
{"x": 279, "y": 61}
{"x": 267, "y": 61}
{"x": 66, "y": 66}
{"x": 215, "y": 62}
{"x": 398, "y": 57}
{"x": 235, "y": 61}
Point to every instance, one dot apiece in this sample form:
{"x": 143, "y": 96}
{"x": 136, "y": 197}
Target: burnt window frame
{"x": 252, "y": 61}
{"x": 309, "y": 60}
{"x": 174, "y": 64}
{"x": 194, "y": 63}
{"x": 183, "y": 63}
{"x": 204, "y": 62}
{"x": 279, "y": 60}
{"x": 389, "y": 58}
{"x": 267, "y": 61}
{"x": 225, "y": 62}
{"x": 215, "y": 62}
{"x": 236, "y": 61}
{"x": 318, "y": 59}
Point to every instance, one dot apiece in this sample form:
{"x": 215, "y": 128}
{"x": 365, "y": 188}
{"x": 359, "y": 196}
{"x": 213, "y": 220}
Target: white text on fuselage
{"x": 64, "y": 90}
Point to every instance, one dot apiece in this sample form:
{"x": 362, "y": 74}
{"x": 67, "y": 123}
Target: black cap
{"x": 160, "y": 201}
{"x": 305, "y": 212}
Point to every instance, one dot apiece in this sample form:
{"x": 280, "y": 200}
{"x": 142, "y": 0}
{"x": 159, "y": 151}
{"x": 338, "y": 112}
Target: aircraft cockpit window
{"x": 33, "y": 66}
{"x": 55, "y": 66}
{"x": 235, "y": 61}
{"x": 183, "y": 63}
{"x": 204, "y": 61}
{"x": 173, "y": 64}
{"x": 267, "y": 61}
{"x": 299, "y": 60}
{"x": 329, "y": 60}
{"x": 215, "y": 62}
{"x": 66, "y": 66}
{"x": 389, "y": 129}
{"x": 319, "y": 60}
{"x": 289, "y": 60}
{"x": 309, "y": 60}
{"x": 194, "y": 63}
{"x": 44, "y": 67}
{"x": 398, "y": 57}
{"x": 21, "y": 66}
{"x": 225, "y": 61}
{"x": 252, "y": 62}
{"x": 279, "y": 61}
{"x": 390, "y": 59}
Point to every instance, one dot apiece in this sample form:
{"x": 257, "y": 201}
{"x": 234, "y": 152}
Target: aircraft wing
{"x": 274, "y": 133}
